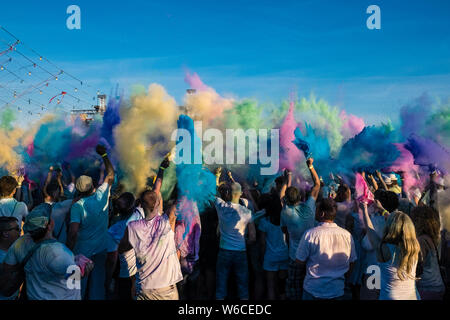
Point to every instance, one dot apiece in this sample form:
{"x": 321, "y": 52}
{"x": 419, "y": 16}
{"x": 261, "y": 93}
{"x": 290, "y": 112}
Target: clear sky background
{"x": 259, "y": 49}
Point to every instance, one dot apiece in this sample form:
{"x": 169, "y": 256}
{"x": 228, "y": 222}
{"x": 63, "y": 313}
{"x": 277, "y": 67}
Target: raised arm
{"x": 316, "y": 188}
{"x": 371, "y": 233}
{"x": 383, "y": 184}
{"x": 159, "y": 178}
{"x": 101, "y": 150}
{"x": 230, "y": 176}
{"x": 374, "y": 182}
{"x": 59, "y": 181}
{"x": 48, "y": 180}
{"x": 218, "y": 173}
{"x": 287, "y": 183}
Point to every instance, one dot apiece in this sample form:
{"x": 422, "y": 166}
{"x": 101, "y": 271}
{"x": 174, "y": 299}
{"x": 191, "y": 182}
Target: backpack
{"x": 10, "y": 283}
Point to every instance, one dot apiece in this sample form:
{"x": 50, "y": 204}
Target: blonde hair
{"x": 401, "y": 232}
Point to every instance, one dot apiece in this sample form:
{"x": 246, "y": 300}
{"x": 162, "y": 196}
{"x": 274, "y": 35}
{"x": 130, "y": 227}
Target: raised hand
{"x": 101, "y": 150}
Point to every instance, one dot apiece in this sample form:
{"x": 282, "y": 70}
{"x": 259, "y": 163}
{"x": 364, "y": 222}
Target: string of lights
{"x": 29, "y": 79}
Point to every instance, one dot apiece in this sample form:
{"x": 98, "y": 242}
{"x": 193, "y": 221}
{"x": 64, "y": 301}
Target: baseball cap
{"x": 393, "y": 177}
{"x": 84, "y": 184}
{"x": 38, "y": 218}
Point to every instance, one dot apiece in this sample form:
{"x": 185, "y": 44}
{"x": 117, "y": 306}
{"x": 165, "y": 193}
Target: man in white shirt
{"x": 152, "y": 241}
{"x": 233, "y": 222}
{"x": 328, "y": 252}
{"x": 50, "y": 265}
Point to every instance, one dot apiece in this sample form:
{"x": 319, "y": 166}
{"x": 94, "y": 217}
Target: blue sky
{"x": 259, "y": 49}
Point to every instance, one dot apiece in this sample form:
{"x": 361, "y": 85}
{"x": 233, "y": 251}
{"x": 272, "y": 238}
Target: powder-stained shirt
{"x": 92, "y": 215}
{"x": 47, "y": 270}
{"x": 328, "y": 251}
{"x": 233, "y": 220}
{"x": 298, "y": 219}
{"x": 12, "y": 208}
{"x": 153, "y": 243}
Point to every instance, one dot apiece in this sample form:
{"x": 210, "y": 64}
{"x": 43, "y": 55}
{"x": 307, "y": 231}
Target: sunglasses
{"x": 15, "y": 228}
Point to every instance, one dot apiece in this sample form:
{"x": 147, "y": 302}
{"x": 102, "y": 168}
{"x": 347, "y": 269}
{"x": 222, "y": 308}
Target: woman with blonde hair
{"x": 430, "y": 285}
{"x": 397, "y": 255}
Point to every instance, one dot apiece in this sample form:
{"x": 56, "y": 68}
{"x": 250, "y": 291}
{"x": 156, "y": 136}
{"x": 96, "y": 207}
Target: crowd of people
{"x": 82, "y": 238}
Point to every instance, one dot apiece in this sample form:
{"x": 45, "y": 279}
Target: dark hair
{"x": 125, "y": 203}
{"x": 6, "y": 221}
{"x": 341, "y": 193}
{"x": 328, "y": 207}
{"x": 7, "y": 185}
{"x": 279, "y": 181}
{"x": 148, "y": 200}
{"x": 292, "y": 196}
{"x": 38, "y": 234}
{"x": 54, "y": 191}
{"x": 272, "y": 205}
{"x": 388, "y": 199}
{"x": 225, "y": 192}
{"x": 426, "y": 220}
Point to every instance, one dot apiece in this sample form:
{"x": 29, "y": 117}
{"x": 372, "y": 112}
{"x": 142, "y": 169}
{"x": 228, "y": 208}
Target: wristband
{"x": 19, "y": 185}
{"x": 162, "y": 168}
{"x": 311, "y": 167}
{"x": 384, "y": 212}
{"x": 104, "y": 155}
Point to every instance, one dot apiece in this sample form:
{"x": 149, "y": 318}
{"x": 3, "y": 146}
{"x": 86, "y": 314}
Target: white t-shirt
{"x": 46, "y": 271}
{"x": 328, "y": 251}
{"x": 233, "y": 220}
{"x": 153, "y": 243}
{"x": 12, "y": 208}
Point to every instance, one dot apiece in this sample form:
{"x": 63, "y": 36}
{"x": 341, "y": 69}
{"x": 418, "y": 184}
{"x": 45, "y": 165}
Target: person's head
{"x": 125, "y": 204}
{"x": 279, "y": 181}
{"x": 343, "y": 193}
{"x": 388, "y": 199}
{"x": 9, "y": 230}
{"x": 236, "y": 192}
{"x": 54, "y": 192}
{"x": 393, "y": 179}
{"x": 225, "y": 192}
{"x": 426, "y": 221}
{"x": 39, "y": 223}
{"x": 85, "y": 186}
{"x": 326, "y": 210}
{"x": 292, "y": 196}
{"x": 440, "y": 183}
{"x": 272, "y": 205}
{"x": 8, "y": 186}
{"x": 149, "y": 201}
{"x": 400, "y": 231}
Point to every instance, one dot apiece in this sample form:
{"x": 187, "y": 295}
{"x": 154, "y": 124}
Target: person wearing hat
{"x": 392, "y": 184}
{"x": 50, "y": 263}
{"x": 88, "y": 227}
